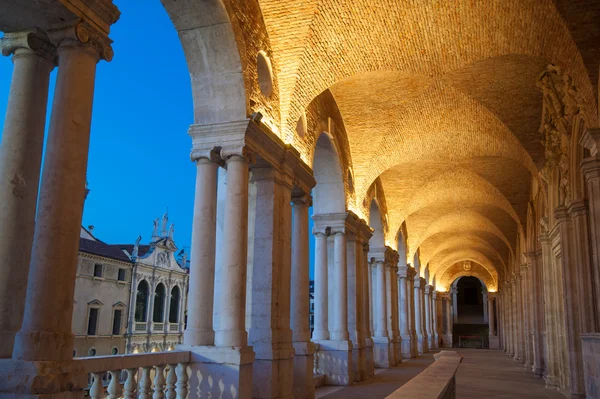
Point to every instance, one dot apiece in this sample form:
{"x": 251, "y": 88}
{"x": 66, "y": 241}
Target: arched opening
{"x": 470, "y": 300}
{"x": 141, "y": 302}
{"x": 375, "y": 221}
{"x": 329, "y": 193}
{"x": 470, "y": 308}
{"x": 174, "y": 306}
{"x": 159, "y": 304}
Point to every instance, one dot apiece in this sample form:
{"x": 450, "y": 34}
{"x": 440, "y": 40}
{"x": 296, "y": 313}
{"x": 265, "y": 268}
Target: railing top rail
{"x": 98, "y": 364}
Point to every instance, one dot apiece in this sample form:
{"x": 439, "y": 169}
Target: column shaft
{"x": 20, "y": 160}
{"x": 232, "y": 284}
{"x": 381, "y": 302}
{"x": 46, "y": 332}
{"x": 199, "y": 329}
{"x": 321, "y": 328}
{"x": 340, "y": 325}
{"x": 300, "y": 297}
{"x": 403, "y": 306}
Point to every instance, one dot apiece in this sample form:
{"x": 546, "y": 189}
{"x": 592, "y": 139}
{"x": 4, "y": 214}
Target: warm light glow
{"x": 136, "y": 350}
{"x": 492, "y": 290}
{"x": 439, "y": 288}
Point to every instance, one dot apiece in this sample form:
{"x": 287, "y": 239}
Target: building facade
{"x": 129, "y": 298}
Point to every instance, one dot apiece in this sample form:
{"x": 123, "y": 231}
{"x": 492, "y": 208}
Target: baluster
{"x": 171, "y": 380}
{"x": 114, "y": 387}
{"x": 145, "y": 384}
{"x": 159, "y": 382}
{"x": 130, "y": 384}
{"x": 97, "y": 390}
{"x": 182, "y": 381}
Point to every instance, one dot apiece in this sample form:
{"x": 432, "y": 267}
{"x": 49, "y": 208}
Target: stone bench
{"x": 435, "y": 382}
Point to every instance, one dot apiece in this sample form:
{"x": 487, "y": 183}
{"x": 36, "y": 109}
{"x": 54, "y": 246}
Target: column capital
{"x": 492, "y": 295}
{"x": 591, "y": 167}
{"x": 207, "y": 154}
{"x": 578, "y": 208}
{"x": 591, "y": 140}
{"x": 403, "y": 272}
{"x": 31, "y": 41}
{"x": 302, "y": 199}
{"x": 83, "y": 34}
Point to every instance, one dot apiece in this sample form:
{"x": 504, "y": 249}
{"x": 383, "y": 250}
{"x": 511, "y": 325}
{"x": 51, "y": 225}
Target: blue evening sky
{"x": 139, "y": 151}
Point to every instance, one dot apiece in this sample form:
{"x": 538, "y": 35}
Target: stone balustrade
{"x": 157, "y": 375}
{"x": 435, "y": 382}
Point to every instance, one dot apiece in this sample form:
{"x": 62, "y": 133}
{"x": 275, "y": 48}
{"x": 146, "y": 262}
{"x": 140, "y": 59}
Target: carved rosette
{"x": 83, "y": 34}
{"x": 562, "y": 104}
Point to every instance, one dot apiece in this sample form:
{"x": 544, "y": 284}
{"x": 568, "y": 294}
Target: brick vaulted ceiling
{"x": 439, "y": 102}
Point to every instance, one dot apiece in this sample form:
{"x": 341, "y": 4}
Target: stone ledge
{"x": 435, "y": 382}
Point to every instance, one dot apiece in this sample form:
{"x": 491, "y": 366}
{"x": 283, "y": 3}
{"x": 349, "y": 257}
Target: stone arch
{"x": 141, "y": 301}
{"x": 158, "y": 312}
{"x": 174, "y": 304}
{"x": 376, "y": 222}
{"x": 329, "y": 195}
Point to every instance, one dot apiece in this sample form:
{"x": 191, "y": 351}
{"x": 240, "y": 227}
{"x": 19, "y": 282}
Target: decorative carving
{"x": 83, "y": 34}
{"x": 467, "y": 265}
{"x": 32, "y": 40}
{"x": 136, "y": 248}
{"x": 162, "y": 259}
{"x": 561, "y": 105}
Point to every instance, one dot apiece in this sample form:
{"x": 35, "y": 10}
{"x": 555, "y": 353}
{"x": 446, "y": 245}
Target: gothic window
{"x": 141, "y": 302}
{"x": 159, "y": 303}
{"x": 174, "y": 308}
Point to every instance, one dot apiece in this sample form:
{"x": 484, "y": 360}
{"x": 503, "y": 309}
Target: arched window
{"x": 159, "y": 303}
{"x": 141, "y": 302}
{"x": 174, "y": 308}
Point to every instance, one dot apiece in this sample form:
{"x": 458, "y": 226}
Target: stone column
{"x": 389, "y": 302}
{"x": 20, "y": 160}
{"x": 484, "y": 294}
{"x": 421, "y": 345}
{"x": 199, "y": 329}
{"x": 354, "y": 263}
{"x": 526, "y": 293}
{"x": 449, "y": 322}
{"x": 232, "y": 288}
{"x": 537, "y": 304}
{"x": 434, "y": 315}
{"x": 410, "y": 293}
{"x": 591, "y": 171}
{"x": 494, "y": 340}
{"x": 403, "y": 313}
{"x": 340, "y": 321}
{"x": 424, "y": 316}
{"x": 367, "y": 315}
{"x": 454, "y": 292}
{"x": 304, "y": 386}
{"x": 551, "y": 317}
{"x": 395, "y": 320}
{"x": 383, "y": 345}
{"x": 321, "y": 329}
{"x": 269, "y": 279}
{"x": 46, "y": 332}
{"x": 428, "y": 323}
{"x": 570, "y": 301}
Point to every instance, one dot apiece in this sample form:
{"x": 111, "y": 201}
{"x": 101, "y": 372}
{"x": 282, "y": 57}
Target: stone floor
{"x": 483, "y": 373}
{"x": 382, "y": 384}
{"x": 488, "y": 373}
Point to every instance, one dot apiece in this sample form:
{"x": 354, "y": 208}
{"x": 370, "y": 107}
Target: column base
{"x": 335, "y": 362}
{"x": 43, "y": 379}
{"x": 383, "y": 352}
{"x": 359, "y": 362}
{"x": 494, "y": 342}
{"x": 273, "y": 370}
{"x": 304, "y": 384}
{"x": 421, "y": 344}
{"x": 406, "y": 347}
{"x": 370, "y": 363}
{"x": 213, "y": 367}
{"x": 447, "y": 341}
{"x": 415, "y": 345}
{"x": 430, "y": 342}
{"x": 398, "y": 349}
